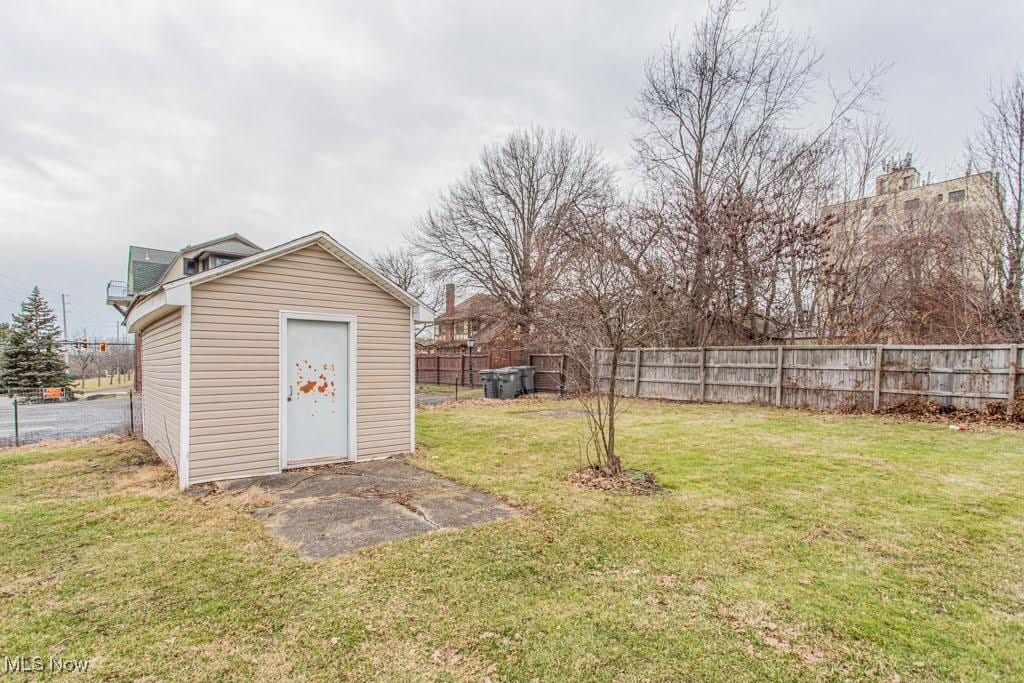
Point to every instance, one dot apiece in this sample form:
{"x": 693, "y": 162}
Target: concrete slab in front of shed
{"x": 335, "y": 510}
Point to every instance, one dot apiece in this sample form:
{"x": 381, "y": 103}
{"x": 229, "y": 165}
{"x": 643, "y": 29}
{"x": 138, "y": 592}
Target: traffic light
{"x": 103, "y": 347}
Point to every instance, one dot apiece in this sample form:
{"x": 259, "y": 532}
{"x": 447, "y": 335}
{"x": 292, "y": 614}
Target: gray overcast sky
{"x": 167, "y": 123}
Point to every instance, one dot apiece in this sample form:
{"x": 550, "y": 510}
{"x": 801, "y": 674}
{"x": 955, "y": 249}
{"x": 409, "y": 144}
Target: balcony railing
{"x": 117, "y": 291}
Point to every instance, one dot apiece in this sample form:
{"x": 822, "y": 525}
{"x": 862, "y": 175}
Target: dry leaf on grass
{"x": 446, "y": 655}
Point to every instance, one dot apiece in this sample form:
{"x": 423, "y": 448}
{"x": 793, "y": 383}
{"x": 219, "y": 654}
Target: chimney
{"x": 449, "y": 298}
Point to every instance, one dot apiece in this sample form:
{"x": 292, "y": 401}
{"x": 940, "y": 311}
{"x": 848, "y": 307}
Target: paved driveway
{"x": 328, "y": 511}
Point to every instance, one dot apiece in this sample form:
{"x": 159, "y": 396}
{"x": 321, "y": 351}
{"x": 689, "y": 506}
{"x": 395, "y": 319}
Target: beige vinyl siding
{"x": 235, "y": 362}
{"x": 161, "y": 387}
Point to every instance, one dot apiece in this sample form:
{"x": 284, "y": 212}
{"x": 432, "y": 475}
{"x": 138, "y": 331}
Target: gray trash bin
{"x": 508, "y": 383}
{"x": 526, "y": 374}
{"x": 489, "y": 378}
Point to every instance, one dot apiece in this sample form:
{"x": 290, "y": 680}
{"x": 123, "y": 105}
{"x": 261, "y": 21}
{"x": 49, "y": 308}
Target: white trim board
{"x": 412, "y": 382}
{"x": 153, "y": 304}
{"x": 185, "y": 407}
{"x": 282, "y": 393}
{"x": 328, "y": 244}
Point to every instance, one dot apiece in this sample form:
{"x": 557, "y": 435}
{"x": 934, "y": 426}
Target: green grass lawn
{"x": 102, "y": 383}
{"x": 786, "y": 546}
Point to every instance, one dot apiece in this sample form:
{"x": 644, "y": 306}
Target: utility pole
{"x": 64, "y": 313}
{"x": 64, "y": 322}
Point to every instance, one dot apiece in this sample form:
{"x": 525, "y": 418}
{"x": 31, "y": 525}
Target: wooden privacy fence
{"x": 450, "y": 368}
{"x": 824, "y": 377}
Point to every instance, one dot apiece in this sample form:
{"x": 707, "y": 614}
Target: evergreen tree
{"x": 32, "y": 356}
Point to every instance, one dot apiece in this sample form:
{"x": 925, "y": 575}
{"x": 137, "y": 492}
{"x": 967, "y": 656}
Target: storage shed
{"x": 298, "y": 355}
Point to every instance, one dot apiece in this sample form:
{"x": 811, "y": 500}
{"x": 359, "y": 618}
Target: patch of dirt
{"x": 633, "y": 482}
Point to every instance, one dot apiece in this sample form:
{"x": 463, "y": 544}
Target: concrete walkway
{"x": 337, "y": 509}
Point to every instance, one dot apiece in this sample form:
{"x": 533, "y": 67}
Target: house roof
{"x": 247, "y": 247}
{"x": 147, "y": 266}
{"x": 476, "y": 305}
{"x": 320, "y": 238}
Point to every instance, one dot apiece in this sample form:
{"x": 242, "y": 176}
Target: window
{"x": 191, "y": 267}
{"x": 957, "y": 195}
{"x": 938, "y": 197}
{"x": 911, "y": 204}
{"x": 878, "y": 210}
{"x": 220, "y": 261}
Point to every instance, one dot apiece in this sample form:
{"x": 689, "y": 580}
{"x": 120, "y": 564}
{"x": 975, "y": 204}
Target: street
{"x": 68, "y": 420}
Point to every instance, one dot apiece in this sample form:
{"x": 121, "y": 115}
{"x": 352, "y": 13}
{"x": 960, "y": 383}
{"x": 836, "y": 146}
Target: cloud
{"x": 167, "y": 123}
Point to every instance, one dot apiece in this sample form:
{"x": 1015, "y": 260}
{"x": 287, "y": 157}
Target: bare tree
{"x": 501, "y": 228}
{"x": 84, "y": 360}
{"x": 405, "y": 268}
{"x": 717, "y": 143}
{"x": 607, "y": 301}
{"x": 917, "y": 273}
{"x": 999, "y": 147}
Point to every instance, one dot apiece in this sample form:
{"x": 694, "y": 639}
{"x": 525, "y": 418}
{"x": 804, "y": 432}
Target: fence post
{"x": 561, "y": 376}
{"x": 778, "y": 378}
{"x": 877, "y": 399}
{"x": 1011, "y": 396}
{"x": 16, "y": 443}
{"x": 703, "y": 373}
{"x": 131, "y": 413}
{"x": 636, "y": 371}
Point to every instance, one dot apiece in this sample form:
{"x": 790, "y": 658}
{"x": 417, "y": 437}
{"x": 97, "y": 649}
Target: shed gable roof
{"x": 320, "y": 238}
{"x": 326, "y": 242}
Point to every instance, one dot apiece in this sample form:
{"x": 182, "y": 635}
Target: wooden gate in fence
{"x": 824, "y": 377}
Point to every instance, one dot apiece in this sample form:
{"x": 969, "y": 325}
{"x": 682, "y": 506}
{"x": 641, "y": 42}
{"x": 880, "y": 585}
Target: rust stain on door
{"x": 316, "y": 382}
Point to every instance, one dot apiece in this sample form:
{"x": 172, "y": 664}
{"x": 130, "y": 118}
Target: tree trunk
{"x": 612, "y": 460}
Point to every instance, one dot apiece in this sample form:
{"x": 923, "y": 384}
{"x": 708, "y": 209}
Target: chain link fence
{"x": 34, "y": 415}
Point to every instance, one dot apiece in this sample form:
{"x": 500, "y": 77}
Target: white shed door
{"x": 316, "y": 391}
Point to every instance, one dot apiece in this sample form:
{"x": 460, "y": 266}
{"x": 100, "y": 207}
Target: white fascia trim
{"x": 332, "y": 246}
{"x": 145, "y": 311}
{"x": 282, "y": 370}
{"x": 184, "y": 295}
{"x": 355, "y": 262}
{"x": 157, "y": 305}
{"x": 412, "y": 382}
